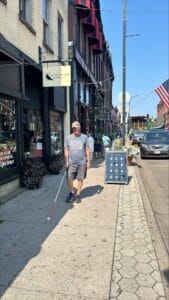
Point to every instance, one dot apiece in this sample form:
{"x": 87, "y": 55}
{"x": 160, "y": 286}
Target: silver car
{"x": 155, "y": 143}
{"x": 137, "y": 136}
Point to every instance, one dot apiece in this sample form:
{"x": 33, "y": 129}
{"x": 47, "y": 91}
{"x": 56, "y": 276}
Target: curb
{"x": 159, "y": 247}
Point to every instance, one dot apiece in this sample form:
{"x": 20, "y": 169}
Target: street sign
{"x": 56, "y": 76}
{"x": 116, "y": 168}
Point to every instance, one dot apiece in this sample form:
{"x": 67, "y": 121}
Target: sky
{"x": 147, "y": 55}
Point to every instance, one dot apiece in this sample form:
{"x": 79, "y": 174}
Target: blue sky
{"x": 147, "y": 55}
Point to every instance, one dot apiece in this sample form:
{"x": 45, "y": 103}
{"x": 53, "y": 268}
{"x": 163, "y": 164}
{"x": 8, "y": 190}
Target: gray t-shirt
{"x": 77, "y": 146}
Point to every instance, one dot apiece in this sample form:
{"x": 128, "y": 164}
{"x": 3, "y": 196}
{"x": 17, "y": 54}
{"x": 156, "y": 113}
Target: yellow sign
{"x": 56, "y": 76}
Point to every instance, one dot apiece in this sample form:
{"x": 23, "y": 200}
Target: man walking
{"x": 77, "y": 160}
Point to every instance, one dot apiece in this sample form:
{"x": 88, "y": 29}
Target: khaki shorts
{"x": 76, "y": 172}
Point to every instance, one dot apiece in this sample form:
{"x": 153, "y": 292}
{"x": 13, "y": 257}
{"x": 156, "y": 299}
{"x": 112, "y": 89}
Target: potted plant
{"x": 56, "y": 163}
{"x": 33, "y": 172}
{"x": 132, "y": 152}
{"x": 117, "y": 145}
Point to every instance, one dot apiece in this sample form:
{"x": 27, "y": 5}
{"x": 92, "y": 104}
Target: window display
{"x": 55, "y": 132}
{"x": 7, "y": 134}
{"x": 33, "y": 129}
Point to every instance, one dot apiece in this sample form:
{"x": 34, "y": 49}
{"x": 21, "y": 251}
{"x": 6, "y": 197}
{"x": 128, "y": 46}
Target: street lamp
{"x": 129, "y": 110}
{"x": 124, "y": 67}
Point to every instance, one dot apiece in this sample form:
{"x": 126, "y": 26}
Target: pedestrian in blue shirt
{"x": 106, "y": 143}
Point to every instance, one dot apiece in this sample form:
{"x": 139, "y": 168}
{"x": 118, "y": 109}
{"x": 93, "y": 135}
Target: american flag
{"x": 163, "y": 92}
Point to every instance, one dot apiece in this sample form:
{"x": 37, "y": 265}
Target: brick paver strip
{"x": 136, "y": 273}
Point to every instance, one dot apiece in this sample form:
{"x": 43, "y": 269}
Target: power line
{"x": 129, "y": 11}
{"x": 73, "y": 81}
{"x": 144, "y": 98}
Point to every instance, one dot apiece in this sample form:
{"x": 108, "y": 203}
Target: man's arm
{"x": 66, "y": 153}
{"x": 88, "y": 157}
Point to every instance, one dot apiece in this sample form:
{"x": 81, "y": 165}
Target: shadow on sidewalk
{"x": 97, "y": 162}
{"x": 166, "y": 274}
{"x": 129, "y": 179}
{"x": 91, "y": 190}
{"x": 24, "y": 228}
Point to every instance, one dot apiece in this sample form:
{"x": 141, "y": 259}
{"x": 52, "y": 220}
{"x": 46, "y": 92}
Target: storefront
{"x": 56, "y": 132}
{"x": 8, "y": 136}
{"x": 43, "y": 114}
{"x": 33, "y": 125}
{"x": 42, "y": 118}
{"x": 11, "y": 94}
{"x": 31, "y": 117}
{"x": 33, "y": 130}
{"x": 21, "y": 111}
{"x": 57, "y": 108}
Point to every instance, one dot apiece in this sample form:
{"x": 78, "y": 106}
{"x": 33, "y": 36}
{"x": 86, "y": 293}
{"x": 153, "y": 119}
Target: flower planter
{"x": 56, "y": 163}
{"x": 33, "y": 172}
{"x": 130, "y": 160}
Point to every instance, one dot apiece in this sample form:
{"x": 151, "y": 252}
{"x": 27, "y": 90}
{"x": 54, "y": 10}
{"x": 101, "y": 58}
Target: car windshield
{"x": 160, "y": 136}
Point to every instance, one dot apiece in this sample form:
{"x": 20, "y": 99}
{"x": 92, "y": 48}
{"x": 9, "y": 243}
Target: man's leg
{"x": 70, "y": 185}
{"x": 79, "y": 186}
{"x": 81, "y": 174}
{"x": 70, "y": 178}
{"x": 103, "y": 151}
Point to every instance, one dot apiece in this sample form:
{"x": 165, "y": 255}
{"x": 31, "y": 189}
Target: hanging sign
{"x": 56, "y": 76}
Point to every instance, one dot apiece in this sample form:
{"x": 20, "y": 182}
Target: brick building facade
{"x": 163, "y": 113}
{"x": 92, "y": 71}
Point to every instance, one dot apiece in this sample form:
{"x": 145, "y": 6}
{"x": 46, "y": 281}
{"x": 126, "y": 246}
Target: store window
{"x": 8, "y": 146}
{"x": 56, "y": 132}
{"x": 25, "y": 7}
{"x": 33, "y": 133}
{"x": 46, "y": 7}
{"x": 60, "y": 37}
{"x": 4, "y": 1}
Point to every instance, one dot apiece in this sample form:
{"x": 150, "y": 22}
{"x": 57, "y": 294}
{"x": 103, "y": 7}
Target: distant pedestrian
{"x": 97, "y": 147}
{"x": 91, "y": 145}
{"x": 106, "y": 143}
{"x": 77, "y": 160}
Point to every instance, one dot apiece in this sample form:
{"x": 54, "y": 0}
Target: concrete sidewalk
{"x": 98, "y": 249}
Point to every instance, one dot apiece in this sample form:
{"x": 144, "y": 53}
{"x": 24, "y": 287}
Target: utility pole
{"x": 124, "y": 69}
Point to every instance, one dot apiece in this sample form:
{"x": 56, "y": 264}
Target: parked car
{"x": 157, "y": 128}
{"x": 131, "y": 132}
{"x": 155, "y": 143}
{"x": 137, "y": 136}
